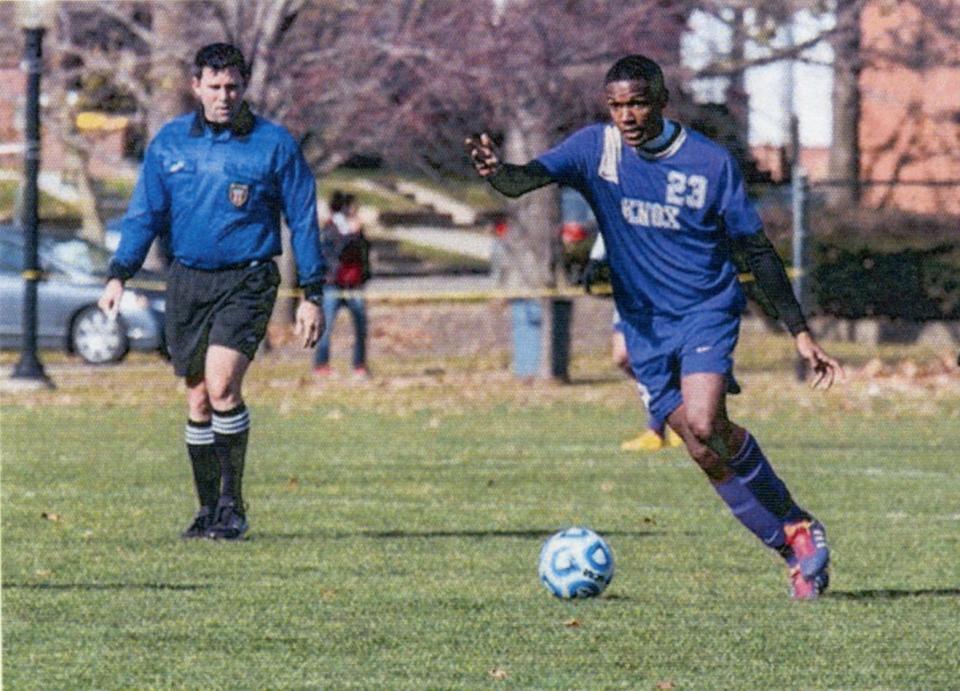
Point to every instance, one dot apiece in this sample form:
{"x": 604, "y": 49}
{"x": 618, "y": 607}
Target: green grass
{"x": 396, "y": 524}
{"x": 350, "y": 181}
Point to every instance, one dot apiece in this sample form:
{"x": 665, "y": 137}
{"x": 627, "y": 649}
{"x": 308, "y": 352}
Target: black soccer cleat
{"x": 200, "y": 525}
{"x": 230, "y": 522}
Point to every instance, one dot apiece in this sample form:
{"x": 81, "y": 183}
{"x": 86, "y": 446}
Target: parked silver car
{"x": 67, "y": 315}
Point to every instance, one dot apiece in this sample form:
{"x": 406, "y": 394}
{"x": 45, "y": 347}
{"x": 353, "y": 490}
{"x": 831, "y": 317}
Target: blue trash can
{"x": 527, "y": 327}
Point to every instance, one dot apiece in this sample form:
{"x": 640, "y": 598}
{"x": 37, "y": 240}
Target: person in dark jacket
{"x": 346, "y": 252}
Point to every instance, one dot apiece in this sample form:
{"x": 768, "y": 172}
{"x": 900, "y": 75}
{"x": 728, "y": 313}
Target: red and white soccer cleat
{"x": 808, "y": 559}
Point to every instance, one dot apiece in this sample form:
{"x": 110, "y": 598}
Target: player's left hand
{"x": 826, "y": 369}
{"x": 309, "y": 323}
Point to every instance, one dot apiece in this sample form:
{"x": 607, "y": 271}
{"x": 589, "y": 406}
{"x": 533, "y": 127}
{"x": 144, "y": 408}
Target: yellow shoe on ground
{"x": 672, "y": 440}
{"x": 648, "y": 441}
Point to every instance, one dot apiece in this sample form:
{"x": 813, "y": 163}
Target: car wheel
{"x": 98, "y": 339}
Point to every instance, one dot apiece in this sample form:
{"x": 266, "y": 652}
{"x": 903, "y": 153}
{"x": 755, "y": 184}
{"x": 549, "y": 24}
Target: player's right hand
{"x": 109, "y": 302}
{"x": 483, "y": 154}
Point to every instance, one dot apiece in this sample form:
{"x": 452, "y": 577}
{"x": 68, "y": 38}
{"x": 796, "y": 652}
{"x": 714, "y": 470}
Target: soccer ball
{"x": 576, "y": 562}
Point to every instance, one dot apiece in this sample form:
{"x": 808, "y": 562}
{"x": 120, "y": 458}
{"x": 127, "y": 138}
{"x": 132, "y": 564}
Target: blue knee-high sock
{"x": 755, "y": 473}
{"x": 755, "y": 518}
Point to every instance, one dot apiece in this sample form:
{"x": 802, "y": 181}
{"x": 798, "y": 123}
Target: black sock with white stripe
{"x": 206, "y": 467}
{"x": 230, "y": 431}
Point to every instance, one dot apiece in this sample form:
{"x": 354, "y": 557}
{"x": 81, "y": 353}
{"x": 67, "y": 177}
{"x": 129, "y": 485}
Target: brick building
{"x": 910, "y": 108}
{"x": 909, "y": 114}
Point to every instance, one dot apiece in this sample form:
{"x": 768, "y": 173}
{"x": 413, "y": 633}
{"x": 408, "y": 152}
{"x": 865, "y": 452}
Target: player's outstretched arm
{"x": 826, "y": 369}
{"x": 508, "y": 179}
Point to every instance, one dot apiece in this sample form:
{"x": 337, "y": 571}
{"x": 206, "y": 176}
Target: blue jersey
{"x": 666, "y": 219}
{"x": 220, "y": 195}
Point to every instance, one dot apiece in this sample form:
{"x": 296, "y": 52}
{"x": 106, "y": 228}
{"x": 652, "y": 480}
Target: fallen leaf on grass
{"x": 50, "y": 516}
{"x": 499, "y": 674}
{"x": 572, "y": 623}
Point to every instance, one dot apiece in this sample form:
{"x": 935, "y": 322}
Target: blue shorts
{"x": 663, "y": 349}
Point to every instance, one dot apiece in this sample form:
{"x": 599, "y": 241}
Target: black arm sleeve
{"x": 513, "y": 180}
{"x": 767, "y": 269}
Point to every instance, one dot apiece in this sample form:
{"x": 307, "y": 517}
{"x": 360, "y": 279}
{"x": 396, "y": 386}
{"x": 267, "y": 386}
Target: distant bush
{"x": 870, "y": 262}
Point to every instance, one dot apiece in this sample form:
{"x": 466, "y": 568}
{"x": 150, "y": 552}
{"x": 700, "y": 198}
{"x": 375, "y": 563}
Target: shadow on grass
{"x": 530, "y": 534}
{"x": 104, "y": 586}
{"x": 892, "y": 593}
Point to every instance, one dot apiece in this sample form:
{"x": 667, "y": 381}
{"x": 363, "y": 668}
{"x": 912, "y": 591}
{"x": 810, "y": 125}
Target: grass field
{"x": 396, "y": 525}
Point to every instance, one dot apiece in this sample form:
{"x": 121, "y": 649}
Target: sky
{"x": 769, "y": 86}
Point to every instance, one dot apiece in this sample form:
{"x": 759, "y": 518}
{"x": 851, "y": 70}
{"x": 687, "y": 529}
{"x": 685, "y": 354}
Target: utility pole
{"x": 29, "y": 369}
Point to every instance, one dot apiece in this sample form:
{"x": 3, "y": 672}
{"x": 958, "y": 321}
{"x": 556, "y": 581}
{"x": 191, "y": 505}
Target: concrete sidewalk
{"x": 465, "y": 242}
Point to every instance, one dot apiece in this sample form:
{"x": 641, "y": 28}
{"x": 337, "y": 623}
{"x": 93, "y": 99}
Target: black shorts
{"x": 230, "y": 308}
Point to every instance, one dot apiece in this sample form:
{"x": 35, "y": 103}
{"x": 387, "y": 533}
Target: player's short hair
{"x": 633, "y": 67}
{"x": 219, "y": 57}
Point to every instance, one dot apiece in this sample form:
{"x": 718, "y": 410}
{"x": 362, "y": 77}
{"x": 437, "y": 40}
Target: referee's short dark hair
{"x": 634, "y": 67}
{"x": 219, "y": 57}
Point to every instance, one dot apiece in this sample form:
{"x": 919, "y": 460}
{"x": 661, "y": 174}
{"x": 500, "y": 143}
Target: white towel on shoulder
{"x": 610, "y": 160}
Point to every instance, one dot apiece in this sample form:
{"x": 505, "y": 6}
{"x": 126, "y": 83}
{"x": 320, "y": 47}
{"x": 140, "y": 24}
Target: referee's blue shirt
{"x": 665, "y": 218}
{"x": 221, "y": 195}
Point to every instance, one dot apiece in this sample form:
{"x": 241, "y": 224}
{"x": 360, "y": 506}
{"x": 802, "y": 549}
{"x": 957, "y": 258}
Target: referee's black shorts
{"x": 227, "y": 307}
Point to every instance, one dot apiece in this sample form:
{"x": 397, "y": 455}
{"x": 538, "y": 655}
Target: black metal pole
{"x": 29, "y": 366}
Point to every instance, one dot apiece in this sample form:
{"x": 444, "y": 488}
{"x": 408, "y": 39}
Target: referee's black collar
{"x": 241, "y": 125}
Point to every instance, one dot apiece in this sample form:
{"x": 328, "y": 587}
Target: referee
{"x": 217, "y": 181}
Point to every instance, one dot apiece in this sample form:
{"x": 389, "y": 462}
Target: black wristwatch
{"x": 313, "y": 292}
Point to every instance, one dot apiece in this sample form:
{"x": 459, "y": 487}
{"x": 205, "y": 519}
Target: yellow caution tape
{"x": 412, "y": 297}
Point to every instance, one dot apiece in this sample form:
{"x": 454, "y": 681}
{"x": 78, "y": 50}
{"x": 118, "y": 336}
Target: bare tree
{"x": 844, "y": 165}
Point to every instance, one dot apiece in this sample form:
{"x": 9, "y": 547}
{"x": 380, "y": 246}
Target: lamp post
{"x": 29, "y": 370}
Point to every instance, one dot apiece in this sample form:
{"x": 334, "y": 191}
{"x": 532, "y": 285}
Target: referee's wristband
{"x": 313, "y": 292}
{"x": 118, "y": 271}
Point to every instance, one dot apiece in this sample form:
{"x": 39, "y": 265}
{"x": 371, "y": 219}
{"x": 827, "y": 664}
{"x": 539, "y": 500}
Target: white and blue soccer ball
{"x": 576, "y": 562}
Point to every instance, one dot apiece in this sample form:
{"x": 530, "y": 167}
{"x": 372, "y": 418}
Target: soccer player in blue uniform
{"x": 216, "y": 182}
{"x": 657, "y": 435}
{"x": 670, "y": 205}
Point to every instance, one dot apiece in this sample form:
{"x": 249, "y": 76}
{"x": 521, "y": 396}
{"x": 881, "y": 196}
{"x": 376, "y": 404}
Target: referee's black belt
{"x": 239, "y": 265}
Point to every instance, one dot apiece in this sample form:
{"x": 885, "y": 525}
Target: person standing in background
{"x": 347, "y": 254}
